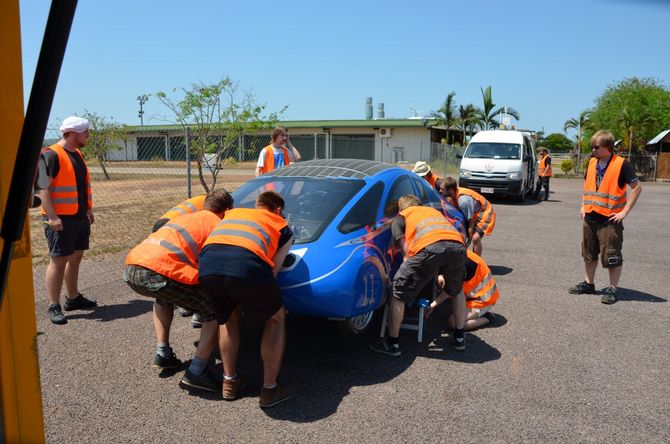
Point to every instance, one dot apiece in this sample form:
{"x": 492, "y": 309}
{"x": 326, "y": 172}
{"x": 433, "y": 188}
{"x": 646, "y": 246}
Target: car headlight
{"x": 513, "y": 175}
{"x": 465, "y": 173}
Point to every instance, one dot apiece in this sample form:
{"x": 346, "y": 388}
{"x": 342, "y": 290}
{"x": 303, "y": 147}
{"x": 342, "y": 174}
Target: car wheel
{"x": 356, "y": 325}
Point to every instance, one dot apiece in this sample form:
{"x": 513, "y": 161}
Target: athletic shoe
{"x": 609, "y": 295}
{"x": 184, "y": 312}
{"x": 232, "y": 386}
{"x": 205, "y": 381}
{"x": 56, "y": 314}
{"x": 383, "y": 347}
{"x": 79, "y": 303}
{"x": 272, "y": 397}
{"x": 171, "y": 362}
{"x": 458, "y": 342}
{"x": 582, "y": 288}
{"x": 196, "y": 320}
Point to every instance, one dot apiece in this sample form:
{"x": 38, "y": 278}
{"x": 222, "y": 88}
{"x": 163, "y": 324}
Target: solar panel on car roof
{"x": 355, "y": 168}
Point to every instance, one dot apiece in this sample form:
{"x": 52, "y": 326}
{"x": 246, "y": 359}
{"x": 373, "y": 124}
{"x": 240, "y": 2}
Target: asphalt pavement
{"x": 555, "y": 367}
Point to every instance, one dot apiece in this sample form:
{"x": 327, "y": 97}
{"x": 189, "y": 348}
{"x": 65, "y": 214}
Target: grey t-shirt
{"x": 468, "y": 206}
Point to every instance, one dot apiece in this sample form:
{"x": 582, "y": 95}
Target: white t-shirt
{"x": 278, "y": 155}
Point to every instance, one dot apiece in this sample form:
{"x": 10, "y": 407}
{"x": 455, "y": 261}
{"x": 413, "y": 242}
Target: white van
{"x": 499, "y": 162}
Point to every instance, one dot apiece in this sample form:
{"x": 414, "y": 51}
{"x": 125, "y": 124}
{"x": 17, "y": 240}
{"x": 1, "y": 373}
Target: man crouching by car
{"x": 238, "y": 271}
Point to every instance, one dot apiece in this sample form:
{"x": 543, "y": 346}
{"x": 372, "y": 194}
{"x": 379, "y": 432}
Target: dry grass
{"x": 126, "y": 208}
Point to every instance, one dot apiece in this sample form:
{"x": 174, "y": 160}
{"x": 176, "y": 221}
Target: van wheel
{"x": 521, "y": 197}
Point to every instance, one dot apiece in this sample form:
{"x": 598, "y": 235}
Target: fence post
{"x": 444, "y": 159}
{"x": 187, "y": 140}
{"x": 316, "y": 144}
{"x": 656, "y": 165}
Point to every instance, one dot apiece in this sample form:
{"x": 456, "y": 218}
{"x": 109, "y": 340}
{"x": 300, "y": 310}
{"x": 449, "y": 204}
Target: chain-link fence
{"x": 444, "y": 159}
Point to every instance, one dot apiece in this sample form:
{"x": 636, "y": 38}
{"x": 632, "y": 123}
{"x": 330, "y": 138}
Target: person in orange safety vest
{"x": 605, "y": 205}
{"x": 476, "y": 209}
{"x": 431, "y": 246}
{"x": 165, "y": 267}
{"x": 422, "y": 169}
{"x": 278, "y": 154}
{"x": 191, "y": 205}
{"x": 544, "y": 173}
{"x": 67, "y": 215}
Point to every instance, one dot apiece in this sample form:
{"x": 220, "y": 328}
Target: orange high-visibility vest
{"x": 543, "y": 166}
{"x": 425, "y": 226}
{"x": 173, "y": 250}
{"x": 480, "y": 291}
{"x": 269, "y": 162}
{"x": 432, "y": 180}
{"x": 485, "y": 218}
{"x": 63, "y": 188}
{"x": 608, "y": 198}
{"x": 257, "y": 230}
{"x": 191, "y": 205}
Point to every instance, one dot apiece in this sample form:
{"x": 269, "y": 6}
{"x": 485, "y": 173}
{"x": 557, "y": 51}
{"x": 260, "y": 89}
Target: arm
{"x": 54, "y": 221}
{"x": 296, "y": 154}
{"x": 279, "y": 257}
{"x": 635, "y": 191}
{"x": 261, "y": 163}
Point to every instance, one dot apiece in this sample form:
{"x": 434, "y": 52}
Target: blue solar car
{"x": 340, "y": 210}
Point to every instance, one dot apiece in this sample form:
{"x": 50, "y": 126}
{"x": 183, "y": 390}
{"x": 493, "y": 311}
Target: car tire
{"x": 356, "y": 325}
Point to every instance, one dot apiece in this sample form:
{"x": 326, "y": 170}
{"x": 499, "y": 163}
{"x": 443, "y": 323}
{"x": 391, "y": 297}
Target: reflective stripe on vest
{"x": 63, "y": 187}
{"x": 481, "y": 291}
{"x": 486, "y": 216}
{"x": 256, "y": 230}
{"x": 543, "y": 166}
{"x": 173, "y": 250}
{"x": 191, "y": 205}
{"x": 608, "y": 198}
{"x": 269, "y": 161}
{"x": 425, "y": 226}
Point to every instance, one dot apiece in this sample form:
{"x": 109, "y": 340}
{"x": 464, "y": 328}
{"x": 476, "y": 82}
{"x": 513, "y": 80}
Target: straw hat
{"x": 421, "y": 168}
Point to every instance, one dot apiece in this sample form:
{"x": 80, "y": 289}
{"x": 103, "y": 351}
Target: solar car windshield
{"x": 310, "y": 203}
{"x": 493, "y": 151}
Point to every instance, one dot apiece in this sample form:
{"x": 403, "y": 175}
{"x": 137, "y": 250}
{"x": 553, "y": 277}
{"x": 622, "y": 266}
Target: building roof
{"x": 320, "y": 124}
{"x": 658, "y": 137}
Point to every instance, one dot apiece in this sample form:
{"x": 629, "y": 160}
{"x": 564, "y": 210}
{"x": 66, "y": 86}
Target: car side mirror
{"x": 459, "y": 156}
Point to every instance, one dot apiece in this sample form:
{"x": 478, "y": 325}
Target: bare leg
{"x": 272, "y": 347}
{"x": 72, "y": 273}
{"x": 477, "y": 243}
{"x": 162, "y": 316}
{"x": 590, "y": 268}
{"x": 229, "y": 343}
{"x": 460, "y": 310}
{"x": 472, "y": 322}
{"x": 208, "y": 335}
{"x": 615, "y": 274}
{"x": 396, "y": 315}
{"x": 54, "y": 278}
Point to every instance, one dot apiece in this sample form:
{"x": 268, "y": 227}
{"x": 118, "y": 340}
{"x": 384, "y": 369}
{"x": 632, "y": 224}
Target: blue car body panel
{"x": 340, "y": 274}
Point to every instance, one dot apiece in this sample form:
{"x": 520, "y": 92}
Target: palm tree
{"x": 489, "y": 112}
{"x": 631, "y": 124}
{"x": 468, "y": 118}
{"x": 446, "y": 115}
{"x": 579, "y": 124}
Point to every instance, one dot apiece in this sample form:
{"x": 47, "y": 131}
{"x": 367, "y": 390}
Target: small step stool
{"x": 409, "y": 323}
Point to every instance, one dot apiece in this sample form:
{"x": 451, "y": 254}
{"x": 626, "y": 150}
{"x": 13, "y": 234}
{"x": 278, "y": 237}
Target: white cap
{"x": 74, "y": 124}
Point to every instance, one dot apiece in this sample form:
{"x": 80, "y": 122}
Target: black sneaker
{"x": 582, "y": 288}
{"x": 385, "y": 348}
{"x": 79, "y": 303}
{"x": 171, "y": 362}
{"x": 205, "y": 381}
{"x": 196, "y": 320}
{"x": 184, "y": 312}
{"x": 609, "y": 295}
{"x": 458, "y": 342}
{"x": 56, "y": 314}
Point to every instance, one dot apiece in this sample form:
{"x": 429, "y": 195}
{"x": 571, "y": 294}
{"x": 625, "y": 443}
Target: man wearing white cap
{"x": 423, "y": 169}
{"x": 67, "y": 216}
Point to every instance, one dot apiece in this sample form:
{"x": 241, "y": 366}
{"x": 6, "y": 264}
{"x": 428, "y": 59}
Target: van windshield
{"x": 481, "y": 150}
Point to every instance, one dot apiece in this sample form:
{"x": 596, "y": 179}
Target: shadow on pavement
{"x": 500, "y": 270}
{"x": 106, "y": 313}
{"x": 627, "y": 294}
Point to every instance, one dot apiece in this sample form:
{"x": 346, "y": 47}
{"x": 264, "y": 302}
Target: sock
{"x": 198, "y": 366}
{"x": 392, "y": 341}
{"x": 459, "y": 333}
{"x": 230, "y": 378}
{"x": 270, "y": 387}
{"x": 164, "y": 349}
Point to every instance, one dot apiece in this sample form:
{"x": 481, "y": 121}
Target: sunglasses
{"x": 595, "y": 147}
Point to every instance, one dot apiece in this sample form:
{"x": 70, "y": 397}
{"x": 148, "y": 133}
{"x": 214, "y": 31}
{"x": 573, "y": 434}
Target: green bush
{"x": 566, "y": 166}
{"x": 230, "y": 161}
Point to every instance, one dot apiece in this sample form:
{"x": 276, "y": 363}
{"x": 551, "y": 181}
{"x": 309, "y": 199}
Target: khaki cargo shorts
{"x": 603, "y": 239}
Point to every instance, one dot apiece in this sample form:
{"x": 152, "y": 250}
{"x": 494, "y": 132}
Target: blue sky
{"x": 548, "y": 60}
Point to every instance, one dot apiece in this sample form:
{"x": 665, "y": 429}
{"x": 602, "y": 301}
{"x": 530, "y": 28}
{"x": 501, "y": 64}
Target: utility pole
{"x": 142, "y": 99}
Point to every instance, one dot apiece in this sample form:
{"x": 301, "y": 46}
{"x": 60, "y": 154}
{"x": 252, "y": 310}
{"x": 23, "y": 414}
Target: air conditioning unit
{"x": 385, "y": 132}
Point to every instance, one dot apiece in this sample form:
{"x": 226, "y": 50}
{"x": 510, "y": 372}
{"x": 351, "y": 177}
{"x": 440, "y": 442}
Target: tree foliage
{"x": 446, "y": 114}
{"x": 102, "y": 133}
{"x": 489, "y": 113}
{"x": 634, "y": 110}
{"x": 557, "y": 142}
{"x": 218, "y": 115}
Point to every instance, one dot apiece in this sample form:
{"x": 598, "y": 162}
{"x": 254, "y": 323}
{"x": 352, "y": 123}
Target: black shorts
{"x": 445, "y": 258}
{"x": 258, "y": 301}
{"x": 154, "y": 285}
{"x": 74, "y": 236}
